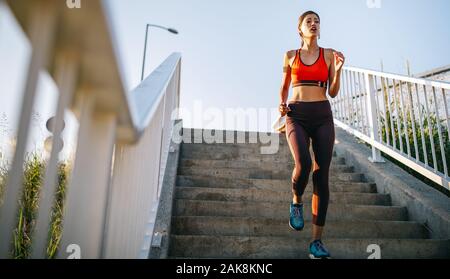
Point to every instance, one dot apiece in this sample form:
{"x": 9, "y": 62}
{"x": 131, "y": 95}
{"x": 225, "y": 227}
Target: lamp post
{"x": 171, "y": 30}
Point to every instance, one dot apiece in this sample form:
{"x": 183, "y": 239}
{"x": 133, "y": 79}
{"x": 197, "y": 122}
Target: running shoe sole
{"x": 311, "y": 256}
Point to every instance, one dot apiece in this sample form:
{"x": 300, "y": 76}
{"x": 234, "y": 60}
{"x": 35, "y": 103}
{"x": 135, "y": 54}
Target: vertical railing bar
{"x": 354, "y": 96}
{"x": 366, "y": 110}
{"x": 349, "y": 99}
{"x": 352, "y": 110}
{"x": 447, "y": 117}
{"x": 92, "y": 167}
{"x": 42, "y": 23}
{"x": 356, "y": 108}
{"x": 386, "y": 124}
{"x": 361, "y": 106}
{"x": 341, "y": 98}
{"x": 441, "y": 141}
{"x": 161, "y": 142}
{"x": 405, "y": 123}
{"x": 377, "y": 108}
{"x": 398, "y": 117}
{"x": 343, "y": 91}
{"x": 347, "y": 93}
{"x": 424, "y": 145}
{"x": 372, "y": 111}
{"x": 351, "y": 95}
{"x": 391, "y": 118}
{"x": 427, "y": 114}
{"x": 413, "y": 120}
{"x": 66, "y": 75}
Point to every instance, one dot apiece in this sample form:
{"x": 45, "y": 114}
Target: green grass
{"x": 34, "y": 170}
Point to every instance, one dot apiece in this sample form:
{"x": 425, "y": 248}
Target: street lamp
{"x": 171, "y": 30}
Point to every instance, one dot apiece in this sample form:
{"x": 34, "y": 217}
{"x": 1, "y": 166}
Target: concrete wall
{"x": 160, "y": 242}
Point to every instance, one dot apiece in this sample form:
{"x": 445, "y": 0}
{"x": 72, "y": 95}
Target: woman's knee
{"x": 303, "y": 168}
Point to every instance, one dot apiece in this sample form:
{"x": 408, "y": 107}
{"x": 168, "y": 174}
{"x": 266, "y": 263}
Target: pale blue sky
{"x": 233, "y": 50}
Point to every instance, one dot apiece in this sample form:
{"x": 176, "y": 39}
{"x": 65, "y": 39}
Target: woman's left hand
{"x": 339, "y": 60}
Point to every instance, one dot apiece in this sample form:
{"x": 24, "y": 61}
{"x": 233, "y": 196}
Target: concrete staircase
{"x": 231, "y": 201}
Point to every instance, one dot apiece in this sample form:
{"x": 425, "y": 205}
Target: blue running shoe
{"x": 296, "y": 221}
{"x": 318, "y": 251}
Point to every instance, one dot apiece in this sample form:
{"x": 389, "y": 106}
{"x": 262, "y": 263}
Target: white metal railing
{"x": 122, "y": 142}
{"x": 399, "y": 115}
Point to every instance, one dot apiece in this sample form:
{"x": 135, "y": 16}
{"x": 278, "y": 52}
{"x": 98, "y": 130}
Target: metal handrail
{"x": 367, "y": 98}
{"x": 122, "y": 139}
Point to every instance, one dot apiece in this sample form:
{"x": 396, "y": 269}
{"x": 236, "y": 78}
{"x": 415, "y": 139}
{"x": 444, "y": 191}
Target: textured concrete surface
{"x": 336, "y": 211}
{"x": 269, "y": 184}
{"x": 259, "y": 226}
{"x": 228, "y": 200}
{"x": 424, "y": 203}
{"x": 224, "y": 194}
{"x": 160, "y": 244}
{"x": 206, "y": 246}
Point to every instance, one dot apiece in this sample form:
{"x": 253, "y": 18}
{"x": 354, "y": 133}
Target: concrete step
{"x": 206, "y": 135}
{"x": 256, "y": 226}
{"x": 252, "y": 158}
{"x": 234, "y": 151}
{"x": 336, "y": 211}
{"x": 226, "y": 147}
{"x": 254, "y": 144}
{"x": 335, "y": 173}
{"x": 196, "y": 246}
{"x": 268, "y": 184}
{"x": 232, "y": 155}
{"x": 242, "y": 148}
{"x": 342, "y": 182}
{"x": 261, "y": 195}
{"x": 266, "y": 165}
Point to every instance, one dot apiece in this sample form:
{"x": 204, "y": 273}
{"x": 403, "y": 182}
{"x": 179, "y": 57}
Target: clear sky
{"x": 232, "y": 50}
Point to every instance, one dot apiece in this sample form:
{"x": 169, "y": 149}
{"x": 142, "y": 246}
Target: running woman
{"x": 311, "y": 70}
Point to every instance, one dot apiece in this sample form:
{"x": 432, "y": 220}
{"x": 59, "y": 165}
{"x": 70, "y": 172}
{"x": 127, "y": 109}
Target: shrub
{"x": 34, "y": 171}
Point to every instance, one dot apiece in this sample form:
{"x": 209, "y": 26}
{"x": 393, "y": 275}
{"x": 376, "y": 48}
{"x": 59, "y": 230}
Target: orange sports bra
{"x": 315, "y": 74}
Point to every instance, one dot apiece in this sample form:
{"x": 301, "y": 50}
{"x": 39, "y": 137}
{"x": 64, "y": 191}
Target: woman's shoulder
{"x": 328, "y": 53}
{"x": 290, "y": 53}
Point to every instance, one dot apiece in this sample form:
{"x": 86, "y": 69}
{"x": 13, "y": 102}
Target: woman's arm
{"x": 337, "y": 61}
{"x": 286, "y": 80}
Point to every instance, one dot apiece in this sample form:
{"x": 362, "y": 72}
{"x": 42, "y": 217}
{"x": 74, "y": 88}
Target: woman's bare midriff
{"x": 308, "y": 94}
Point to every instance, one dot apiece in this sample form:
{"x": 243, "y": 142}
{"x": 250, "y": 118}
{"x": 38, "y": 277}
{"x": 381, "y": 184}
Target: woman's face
{"x": 310, "y": 26}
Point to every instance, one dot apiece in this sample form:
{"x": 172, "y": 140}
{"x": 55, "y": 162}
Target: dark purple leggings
{"x": 305, "y": 121}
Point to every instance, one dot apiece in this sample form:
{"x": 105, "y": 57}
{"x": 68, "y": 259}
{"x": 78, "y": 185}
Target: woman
{"x": 312, "y": 70}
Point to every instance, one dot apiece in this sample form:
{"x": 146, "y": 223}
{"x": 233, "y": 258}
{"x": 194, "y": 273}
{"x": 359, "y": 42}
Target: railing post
{"x": 372, "y": 118}
{"x": 42, "y": 23}
{"x": 66, "y": 73}
{"x": 88, "y": 190}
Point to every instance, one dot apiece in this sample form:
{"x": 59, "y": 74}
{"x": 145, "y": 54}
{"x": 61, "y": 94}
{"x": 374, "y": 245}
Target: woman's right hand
{"x": 283, "y": 109}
